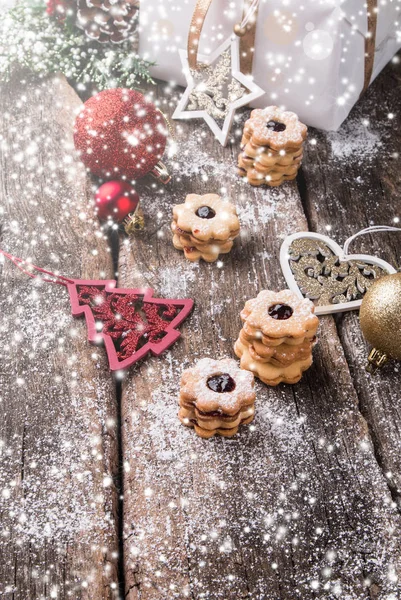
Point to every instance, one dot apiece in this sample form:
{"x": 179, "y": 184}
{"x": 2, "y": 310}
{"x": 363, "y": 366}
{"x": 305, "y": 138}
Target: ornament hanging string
{"x": 168, "y": 124}
{"x": 19, "y": 263}
{"x": 372, "y": 229}
{"x": 247, "y": 38}
{"x": 249, "y": 14}
{"x": 172, "y": 148}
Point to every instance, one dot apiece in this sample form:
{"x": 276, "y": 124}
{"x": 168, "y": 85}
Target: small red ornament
{"x": 120, "y": 133}
{"x": 130, "y": 322}
{"x": 57, "y": 9}
{"x": 116, "y": 200}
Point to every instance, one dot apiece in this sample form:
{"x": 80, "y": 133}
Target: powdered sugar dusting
{"x": 192, "y": 159}
{"x": 251, "y": 213}
{"x": 54, "y": 470}
{"x": 354, "y": 141}
{"x": 172, "y": 283}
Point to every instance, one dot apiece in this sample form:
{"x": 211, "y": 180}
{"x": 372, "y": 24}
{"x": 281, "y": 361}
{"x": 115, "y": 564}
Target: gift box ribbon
{"x": 247, "y": 42}
{"x": 370, "y": 43}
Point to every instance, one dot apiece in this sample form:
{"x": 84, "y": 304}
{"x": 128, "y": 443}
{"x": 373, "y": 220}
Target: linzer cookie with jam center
{"x": 216, "y": 397}
{"x": 279, "y": 317}
{"x": 204, "y": 227}
{"x": 271, "y": 146}
{"x": 270, "y": 374}
{"x": 278, "y": 335}
{"x": 280, "y": 355}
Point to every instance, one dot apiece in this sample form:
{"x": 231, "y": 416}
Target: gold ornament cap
{"x": 380, "y": 318}
{"x": 238, "y": 30}
{"x": 160, "y": 173}
{"x": 134, "y": 222}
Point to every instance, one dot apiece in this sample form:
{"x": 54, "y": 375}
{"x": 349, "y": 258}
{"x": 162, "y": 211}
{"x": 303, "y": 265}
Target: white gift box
{"x": 309, "y": 56}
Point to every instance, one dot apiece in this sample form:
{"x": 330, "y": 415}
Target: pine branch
{"x": 31, "y": 40}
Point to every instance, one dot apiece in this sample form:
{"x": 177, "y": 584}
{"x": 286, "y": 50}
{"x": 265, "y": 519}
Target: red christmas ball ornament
{"x": 116, "y": 200}
{"x": 120, "y": 133}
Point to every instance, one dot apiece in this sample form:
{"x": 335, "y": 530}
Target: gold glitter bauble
{"x": 380, "y": 316}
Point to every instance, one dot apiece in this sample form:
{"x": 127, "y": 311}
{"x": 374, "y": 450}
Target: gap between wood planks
{"x": 114, "y": 244}
{"x": 302, "y": 189}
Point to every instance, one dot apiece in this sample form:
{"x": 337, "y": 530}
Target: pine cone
{"x": 107, "y": 20}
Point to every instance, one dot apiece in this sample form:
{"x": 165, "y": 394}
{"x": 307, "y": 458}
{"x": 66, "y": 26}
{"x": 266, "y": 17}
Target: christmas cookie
{"x": 204, "y": 227}
{"x": 216, "y": 396}
{"x": 281, "y": 355}
{"x": 269, "y": 373}
{"x": 259, "y": 337}
{"x": 280, "y": 317}
{"x": 271, "y": 146}
{"x": 208, "y": 252}
{"x": 276, "y": 340}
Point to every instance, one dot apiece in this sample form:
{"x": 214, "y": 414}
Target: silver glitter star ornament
{"x": 216, "y": 89}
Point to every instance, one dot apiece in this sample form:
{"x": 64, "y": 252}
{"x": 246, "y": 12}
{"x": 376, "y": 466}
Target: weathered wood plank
{"x": 58, "y": 452}
{"x": 293, "y": 507}
{"x": 353, "y": 180}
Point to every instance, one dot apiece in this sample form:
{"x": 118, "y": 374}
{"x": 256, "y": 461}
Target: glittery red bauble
{"x": 115, "y": 200}
{"x": 119, "y": 133}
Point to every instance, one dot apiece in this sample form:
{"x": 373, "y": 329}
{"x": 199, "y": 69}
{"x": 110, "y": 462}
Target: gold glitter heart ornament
{"x": 317, "y": 268}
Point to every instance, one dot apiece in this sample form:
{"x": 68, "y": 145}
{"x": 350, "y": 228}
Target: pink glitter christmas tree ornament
{"x": 130, "y": 322}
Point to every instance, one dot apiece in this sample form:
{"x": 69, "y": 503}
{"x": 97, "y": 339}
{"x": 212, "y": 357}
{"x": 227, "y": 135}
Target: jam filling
{"x": 213, "y": 413}
{"x": 276, "y": 126}
{"x": 281, "y": 312}
{"x": 205, "y": 212}
{"x": 221, "y": 383}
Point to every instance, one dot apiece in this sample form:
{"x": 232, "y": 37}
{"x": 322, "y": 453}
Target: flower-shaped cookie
{"x": 217, "y": 386}
{"x": 281, "y": 355}
{"x": 209, "y": 252}
{"x": 271, "y": 374}
{"x": 280, "y": 315}
{"x": 206, "y": 218}
{"x": 275, "y": 128}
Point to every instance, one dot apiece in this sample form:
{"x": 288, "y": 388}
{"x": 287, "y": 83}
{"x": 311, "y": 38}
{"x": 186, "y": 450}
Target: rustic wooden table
{"x": 103, "y": 494}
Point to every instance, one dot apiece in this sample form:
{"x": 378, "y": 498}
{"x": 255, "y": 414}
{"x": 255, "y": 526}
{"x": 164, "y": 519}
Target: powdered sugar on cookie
{"x": 196, "y": 389}
{"x": 299, "y": 322}
{"x": 292, "y": 134}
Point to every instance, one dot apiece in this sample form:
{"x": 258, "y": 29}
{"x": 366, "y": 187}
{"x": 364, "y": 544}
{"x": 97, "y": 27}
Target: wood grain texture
{"x": 296, "y": 505}
{"x": 58, "y": 454}
{"x": 351, "y": 183}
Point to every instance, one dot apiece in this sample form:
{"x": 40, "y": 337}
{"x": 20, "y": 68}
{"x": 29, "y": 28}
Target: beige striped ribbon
{"x": 247, "y": 42}
{"x": 370, "y": 43}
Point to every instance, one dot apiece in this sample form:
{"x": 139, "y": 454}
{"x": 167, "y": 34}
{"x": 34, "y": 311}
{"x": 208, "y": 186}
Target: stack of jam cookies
{"x": 271, "y": 146}
{"x": 216, "y": 396}
{"x": 276, "y": 340}
{"x": 204, "y": 227}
